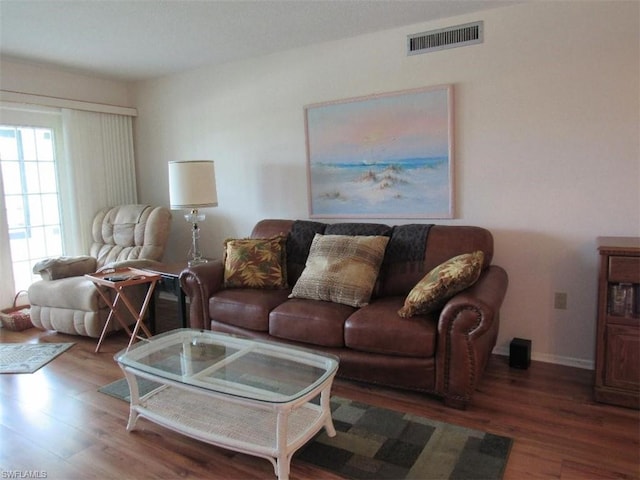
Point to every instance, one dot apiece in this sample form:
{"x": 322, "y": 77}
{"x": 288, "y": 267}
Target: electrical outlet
{"x": 560, "y": 301}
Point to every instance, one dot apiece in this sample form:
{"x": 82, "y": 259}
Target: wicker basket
{"x": 16, "y": 318}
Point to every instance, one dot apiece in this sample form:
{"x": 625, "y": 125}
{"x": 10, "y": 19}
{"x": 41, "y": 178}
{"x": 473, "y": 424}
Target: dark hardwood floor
{"x": 55, "y": 424}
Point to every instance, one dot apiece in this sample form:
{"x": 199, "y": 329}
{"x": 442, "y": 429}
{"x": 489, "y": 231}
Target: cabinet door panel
{"x": 623, "y": 357}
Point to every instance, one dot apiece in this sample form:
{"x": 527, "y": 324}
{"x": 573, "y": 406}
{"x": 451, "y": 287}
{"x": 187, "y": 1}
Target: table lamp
{"x": 192, "y": 185}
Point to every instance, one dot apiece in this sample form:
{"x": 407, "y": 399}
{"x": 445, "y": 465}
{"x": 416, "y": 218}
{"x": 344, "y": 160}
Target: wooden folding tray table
{"x": 119, "y": 280}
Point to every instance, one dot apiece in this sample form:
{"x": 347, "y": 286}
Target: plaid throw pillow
{"x": 341, "y": 269}
{"x": 255, "y": 262}
{"x": 442, "y": 283}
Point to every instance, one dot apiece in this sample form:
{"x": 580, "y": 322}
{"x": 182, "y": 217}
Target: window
{"x": 28, "y": 162}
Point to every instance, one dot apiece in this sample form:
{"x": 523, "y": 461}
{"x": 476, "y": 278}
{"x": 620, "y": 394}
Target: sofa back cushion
{"x": 443, "y": 242}
{"x": 397, "y": 275}
{"x": 298, "y": 245}
{"x": 358, "y": 229}
{"x": 271, "y": 228}
{"x": 301, "y": 233}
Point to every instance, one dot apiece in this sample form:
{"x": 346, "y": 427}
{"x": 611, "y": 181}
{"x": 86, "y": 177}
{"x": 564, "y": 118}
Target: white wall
{"x": 547, "y": 144}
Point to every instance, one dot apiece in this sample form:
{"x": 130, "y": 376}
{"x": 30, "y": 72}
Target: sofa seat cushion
{"x": 310, "y": 321}
{"x": 245, "y": 307}
{"x": 377, "y": 328}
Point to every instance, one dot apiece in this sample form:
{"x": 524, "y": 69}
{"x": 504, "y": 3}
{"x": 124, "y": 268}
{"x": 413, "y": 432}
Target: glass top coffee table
{"x": 255, "y": 397}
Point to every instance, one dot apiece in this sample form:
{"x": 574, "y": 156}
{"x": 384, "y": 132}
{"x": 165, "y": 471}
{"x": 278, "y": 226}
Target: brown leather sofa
{"x": 442, "y": 353}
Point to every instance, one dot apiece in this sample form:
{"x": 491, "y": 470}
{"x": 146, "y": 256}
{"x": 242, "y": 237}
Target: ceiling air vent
{"x": 451, "y": 37}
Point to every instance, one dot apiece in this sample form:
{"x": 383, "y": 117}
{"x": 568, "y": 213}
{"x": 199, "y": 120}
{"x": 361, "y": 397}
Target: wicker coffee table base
{"x": 270, "y": 430}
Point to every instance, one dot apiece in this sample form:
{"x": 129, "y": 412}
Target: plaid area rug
{"x": 373, "y": 442}
{"x": 28, "y": 357}
{"x": 378, "y": 443}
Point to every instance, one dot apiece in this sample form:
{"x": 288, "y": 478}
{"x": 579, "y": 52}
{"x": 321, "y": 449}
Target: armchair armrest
{"x": 467, "y": 332}
{"x": 199, "y": 283}
{"x": 137, "y": 263}
{"x": 63, "y": 267}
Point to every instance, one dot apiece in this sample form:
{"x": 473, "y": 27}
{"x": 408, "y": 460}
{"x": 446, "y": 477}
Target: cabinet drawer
{"x": 624, "y": 269}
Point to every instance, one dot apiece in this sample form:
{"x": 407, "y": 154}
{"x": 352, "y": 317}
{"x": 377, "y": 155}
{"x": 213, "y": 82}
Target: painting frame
{"x": 387, "y": 155}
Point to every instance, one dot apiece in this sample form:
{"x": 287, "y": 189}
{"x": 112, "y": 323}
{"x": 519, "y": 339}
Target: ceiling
{"x": 141, "y": 39}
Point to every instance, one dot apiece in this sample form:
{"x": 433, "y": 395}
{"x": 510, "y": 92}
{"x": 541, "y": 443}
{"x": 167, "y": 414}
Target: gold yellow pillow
{"x": 442, "y": 283}
{"x": 341, "y": 269}
{"x": 255, "y": 262}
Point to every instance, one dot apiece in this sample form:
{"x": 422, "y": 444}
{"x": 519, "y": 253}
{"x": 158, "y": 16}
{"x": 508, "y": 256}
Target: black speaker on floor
{"x": 520, "y": 353}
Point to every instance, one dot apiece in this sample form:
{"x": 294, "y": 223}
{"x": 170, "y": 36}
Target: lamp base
{"x": 196, "y": 261}
{"x": 196, "y": 257}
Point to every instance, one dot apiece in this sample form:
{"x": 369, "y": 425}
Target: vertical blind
{"x": 98, "y": 171}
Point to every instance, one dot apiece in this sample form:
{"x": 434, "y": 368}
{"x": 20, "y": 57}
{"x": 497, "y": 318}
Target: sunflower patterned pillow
{"x": 442, "y": 283}
{"x": 255, "y": 262}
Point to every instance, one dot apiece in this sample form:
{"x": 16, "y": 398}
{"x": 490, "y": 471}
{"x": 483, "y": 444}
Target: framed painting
{"x": 382, "y": 156}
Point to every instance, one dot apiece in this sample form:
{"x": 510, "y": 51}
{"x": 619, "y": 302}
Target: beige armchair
{"x": 123, "y": 236}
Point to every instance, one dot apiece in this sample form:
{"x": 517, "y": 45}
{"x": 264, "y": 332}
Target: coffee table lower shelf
{"x": 268, "y": 430}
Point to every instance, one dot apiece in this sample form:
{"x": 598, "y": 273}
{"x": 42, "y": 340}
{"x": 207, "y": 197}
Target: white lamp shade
{"x": 192, "y": 184}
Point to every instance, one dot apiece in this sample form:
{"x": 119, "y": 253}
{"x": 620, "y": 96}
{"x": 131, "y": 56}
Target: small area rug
{"x": 28, "y": 357}
{"x": 378, "y": 443}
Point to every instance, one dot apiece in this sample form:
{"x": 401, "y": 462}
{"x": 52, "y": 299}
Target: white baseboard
{"x": 556, "y": 359}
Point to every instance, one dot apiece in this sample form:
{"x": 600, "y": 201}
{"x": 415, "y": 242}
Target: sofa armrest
{"x": 467, "y": 332}
{"x": 63, "y": 267}
{"x": 199, "y": 283}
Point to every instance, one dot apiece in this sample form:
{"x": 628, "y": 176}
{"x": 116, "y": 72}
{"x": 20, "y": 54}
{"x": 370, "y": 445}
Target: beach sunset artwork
{"x": 383, "y": 156}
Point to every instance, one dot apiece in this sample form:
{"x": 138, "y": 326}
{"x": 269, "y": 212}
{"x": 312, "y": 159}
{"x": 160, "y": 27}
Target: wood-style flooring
{"x": 55, "y": 424}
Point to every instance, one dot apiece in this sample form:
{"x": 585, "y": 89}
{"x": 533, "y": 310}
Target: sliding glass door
{"x": 29, "y": 146}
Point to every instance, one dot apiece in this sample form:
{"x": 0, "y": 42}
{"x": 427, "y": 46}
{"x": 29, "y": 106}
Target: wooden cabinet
{"x": 618, "y": 329}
